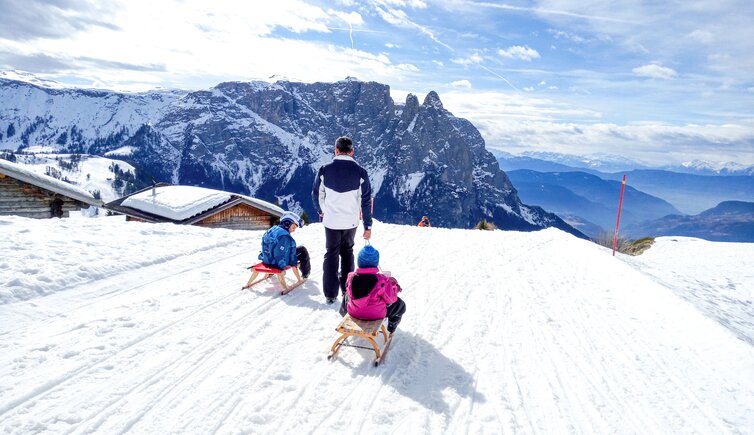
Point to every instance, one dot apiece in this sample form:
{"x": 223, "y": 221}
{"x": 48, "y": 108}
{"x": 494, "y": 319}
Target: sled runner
{"x": 268, "y": 272}
{"x": 369, "y": 330}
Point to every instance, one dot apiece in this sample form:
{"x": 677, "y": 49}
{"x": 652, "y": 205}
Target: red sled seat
{"x": 268, "y": 271}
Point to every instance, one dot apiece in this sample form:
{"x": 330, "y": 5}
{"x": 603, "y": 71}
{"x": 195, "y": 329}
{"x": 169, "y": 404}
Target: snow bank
{"x": 176, "y": 202}
{"x": 46, "y": 256}
{"x": 143, "y": 328}
{"x": 717, "y": 277}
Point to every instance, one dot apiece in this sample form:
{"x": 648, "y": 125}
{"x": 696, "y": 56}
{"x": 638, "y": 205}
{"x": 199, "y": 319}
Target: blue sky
{"x": 660, "y": 82}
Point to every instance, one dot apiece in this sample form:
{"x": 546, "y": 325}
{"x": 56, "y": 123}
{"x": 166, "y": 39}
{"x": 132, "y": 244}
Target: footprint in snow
{"x": 69, "y": 354}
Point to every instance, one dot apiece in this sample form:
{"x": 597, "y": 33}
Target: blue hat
{"x": 368, "y": 257}
{"x": 289, "y": 218}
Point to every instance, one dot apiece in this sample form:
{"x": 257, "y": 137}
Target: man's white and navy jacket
{"x": 341, "y": 189}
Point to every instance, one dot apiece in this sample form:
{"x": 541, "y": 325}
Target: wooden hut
{"x": 26, "y": 193}
{"x": 189, "y": 205}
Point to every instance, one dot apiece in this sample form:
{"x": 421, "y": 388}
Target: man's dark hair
{"x": 344, "y": 144}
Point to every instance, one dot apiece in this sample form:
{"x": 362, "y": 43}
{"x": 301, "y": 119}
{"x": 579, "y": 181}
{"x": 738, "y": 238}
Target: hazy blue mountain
{"x": 588, "y": 197}
{"x": 601, "y": 163}
{"x": 513, "y": 163}
{"x": 729, "y": 221}
{"x": 689, "y": 193}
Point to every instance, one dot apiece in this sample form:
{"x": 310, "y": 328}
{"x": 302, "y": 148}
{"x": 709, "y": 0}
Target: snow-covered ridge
{"x": 26, "y": 77}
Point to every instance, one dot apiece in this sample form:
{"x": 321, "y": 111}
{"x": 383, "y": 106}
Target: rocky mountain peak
{"x": 411, "y": 108}
{"x": 433, "y": 100}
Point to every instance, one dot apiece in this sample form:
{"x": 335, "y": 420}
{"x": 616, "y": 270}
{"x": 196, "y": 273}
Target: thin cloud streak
{"x": 549, "y": 12}
{"x": 498, "y": 76}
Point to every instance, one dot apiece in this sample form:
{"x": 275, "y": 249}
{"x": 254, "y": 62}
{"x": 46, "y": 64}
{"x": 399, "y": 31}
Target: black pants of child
{"x": 339, "y": 245}
{"x": 394, "y": 313}
{"x": 304, "y": 265}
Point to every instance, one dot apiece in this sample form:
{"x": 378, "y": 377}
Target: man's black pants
{"x": 339, "y": 246}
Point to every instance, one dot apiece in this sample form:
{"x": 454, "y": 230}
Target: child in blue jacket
{"x": 279, "y": 250}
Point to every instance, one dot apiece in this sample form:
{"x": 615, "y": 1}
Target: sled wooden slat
{"x": 359, "y": 327}
{"x": 365, "y": 329}
{"x": 268, "y": 272}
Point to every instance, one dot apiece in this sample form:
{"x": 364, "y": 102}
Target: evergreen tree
{"x": 305, "y": 218}
{"x": 11, "y": 130}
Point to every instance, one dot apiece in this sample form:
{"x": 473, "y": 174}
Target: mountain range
{"x": 657, "y": 202}
{"x": 689, "y": 193}
{"x": 729, "y": 221}
{"x": 587, "y": 201}
{"x": 268, "y": 140}
{"x": 603, "y": 162}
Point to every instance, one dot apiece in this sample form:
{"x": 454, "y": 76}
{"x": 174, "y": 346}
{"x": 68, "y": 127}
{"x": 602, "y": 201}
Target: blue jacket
{"x": 278, "y": 248}
{"x": 341, "y": 190}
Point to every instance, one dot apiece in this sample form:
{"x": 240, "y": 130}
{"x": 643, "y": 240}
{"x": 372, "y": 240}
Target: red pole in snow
{"x": 620, "y": 205}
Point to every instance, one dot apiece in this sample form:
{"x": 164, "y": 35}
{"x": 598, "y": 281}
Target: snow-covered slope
{"x": 114, "y": 327}
{"x": 717, "y": 277}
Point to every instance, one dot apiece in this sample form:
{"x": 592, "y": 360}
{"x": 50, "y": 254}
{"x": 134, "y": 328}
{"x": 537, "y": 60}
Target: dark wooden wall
{"x": 23, "y": 199}
{"x": 239, "y": 217}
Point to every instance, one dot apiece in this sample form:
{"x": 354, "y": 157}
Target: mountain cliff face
{"x": 268, "y": 140}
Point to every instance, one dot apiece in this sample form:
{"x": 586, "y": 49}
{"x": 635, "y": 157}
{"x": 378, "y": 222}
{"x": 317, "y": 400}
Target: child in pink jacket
{"x": 372, "y": 294}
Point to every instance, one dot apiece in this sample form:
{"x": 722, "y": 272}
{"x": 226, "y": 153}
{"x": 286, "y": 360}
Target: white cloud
{"x": 519, "y": 52}
{"x": 529, "y": 88}
{"x": 655, "y": 71}
{"x": 542, "y": 83}
{"x": 703, "y": 36}
{"x": 352, "y": 18}
{"x": 461, "y": 84}
{"x": 415, "y": 4}
{"x": 516, "y": 122}
{"x": 438, "y": 63}
{"x": 559, "y": 34}
{"x": 407, "y": 67}
{"x": 198, "y": 45}
{"x": 552, "y": 88}
{"x": 471, "y": 60}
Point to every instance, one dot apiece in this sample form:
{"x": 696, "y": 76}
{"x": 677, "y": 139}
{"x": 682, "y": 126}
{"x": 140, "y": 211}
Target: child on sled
{"x": 279, "y": 250}
{"x": 371, "y": 294}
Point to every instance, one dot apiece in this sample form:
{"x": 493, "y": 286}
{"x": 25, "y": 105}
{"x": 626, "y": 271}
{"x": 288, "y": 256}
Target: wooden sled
{"x": 369, "y": 330}
{"x": 268, "y": 272}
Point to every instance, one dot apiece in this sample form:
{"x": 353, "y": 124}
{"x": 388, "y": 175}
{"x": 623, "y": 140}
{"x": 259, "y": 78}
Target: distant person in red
{"x": 425, "y": 222}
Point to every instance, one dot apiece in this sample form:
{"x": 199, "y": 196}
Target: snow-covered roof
{"x": 179, "y": 203}
{"x": 264, "y": 205}
{"x": 26, "y": 175}
{"x": 176, "y": 202}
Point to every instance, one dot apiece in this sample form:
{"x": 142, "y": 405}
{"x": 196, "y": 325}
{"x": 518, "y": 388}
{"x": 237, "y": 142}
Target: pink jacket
{"x": 369, "y": 292}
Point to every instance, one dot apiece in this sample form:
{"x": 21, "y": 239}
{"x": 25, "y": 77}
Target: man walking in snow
{"x": 341, "y": 191}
